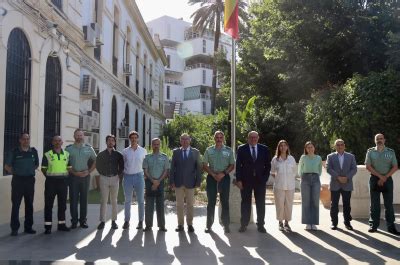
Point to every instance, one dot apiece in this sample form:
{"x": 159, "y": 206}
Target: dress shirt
{"x": 133, "y": 160}
{"x": 187, "y": 152}
{"x": 285, "y": 172}
{"x": 110, "y": 164}
{"x": 255, "y": 150}
{"x": 341, "y": 159}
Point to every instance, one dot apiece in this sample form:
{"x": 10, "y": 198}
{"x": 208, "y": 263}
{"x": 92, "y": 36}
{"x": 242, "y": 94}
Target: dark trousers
{"x": 22, "y": 187}
{"x": 335, "y": 195}
{"x": 55, "y": 187}
{"x": 156, "y": 197}
{"x": 259, "y": 195}
{"x": 375, "y": 207}
{"x": 78, "y": 192}
{"x": 213, "y": 187}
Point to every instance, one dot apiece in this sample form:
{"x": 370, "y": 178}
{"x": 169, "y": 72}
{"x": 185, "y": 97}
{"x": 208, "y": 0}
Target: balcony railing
{"x": 198, "y": 65}
{"x": 174, "y": 82}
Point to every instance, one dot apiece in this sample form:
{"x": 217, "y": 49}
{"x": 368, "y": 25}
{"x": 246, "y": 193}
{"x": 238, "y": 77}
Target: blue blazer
{"x": 349, "y": 170}
{"x": 251, "y": 172}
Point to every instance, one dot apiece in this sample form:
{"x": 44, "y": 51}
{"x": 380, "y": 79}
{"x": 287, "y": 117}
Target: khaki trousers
{"x": 108, "y": 186}
{"x": 181, "y": 194}
{"x": 283, "y": 204}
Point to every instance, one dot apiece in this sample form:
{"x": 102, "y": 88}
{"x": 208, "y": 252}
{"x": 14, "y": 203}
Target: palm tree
{"x": 210, "y": 17}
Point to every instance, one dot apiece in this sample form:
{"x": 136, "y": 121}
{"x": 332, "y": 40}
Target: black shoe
{"x": 14, "y": 233}
{"x": 147, "y": 228}
{"x": 208, "y": 230}
{"x": 190, "y": 229}
{"x": 226, "y": 229}
{"x": 74, "y": 225}
{"x": 84, "y": 225}
{"x": 47, "y": 231}
{"x": 393, "y": 231}
{"x": 372, "y": 230}
{"x": 281, "y": 226}
{"x": 261, "y": 229}
{"x": 348, "y": 226}
{"x": 334, "y": 227}
{"x": 126, "y": 225}
{"x": 179, "y": 228}
{"x": 101, "y": 226}
{"x": 140, "y": 225}
{"x": 63, "y": 227}
{"x": 162, "y": 229}
{"x": 114, "y": 225}
{"x": 242, "y": 229}
{"x": 30, "y": 231}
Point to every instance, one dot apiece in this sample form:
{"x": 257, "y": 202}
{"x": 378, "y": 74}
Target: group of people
{"x": 146, "y": 174}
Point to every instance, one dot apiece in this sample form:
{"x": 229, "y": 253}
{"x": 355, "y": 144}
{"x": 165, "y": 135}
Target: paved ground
{"x": 89, "y": 246}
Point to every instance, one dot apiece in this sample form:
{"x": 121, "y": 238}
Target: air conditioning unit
{"x": 95, "y": 140}
{"x": 98, "y": 33}
{"x": 88, "y": 87}
{"x": 95, "y": 119}
{"x": 89, "y": 36}
{"x": 151, "y": 94}
{"x": 124, "y": 132}
{"x": 85, "y": 122}
{"x": 128, "y": 69}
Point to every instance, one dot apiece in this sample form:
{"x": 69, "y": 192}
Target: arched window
{"x": 18, "y": 89}
{"x": 150, "y": 131}
{"x": 114, "y": 116}
{"x": 144, "y": 131}
{"x": 52, "y": 102}
{"x": 137, "y": 121}
{"x": 127, "y": 122}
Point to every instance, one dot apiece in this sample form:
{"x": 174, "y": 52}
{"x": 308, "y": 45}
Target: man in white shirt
{"x": 133, "y": 178}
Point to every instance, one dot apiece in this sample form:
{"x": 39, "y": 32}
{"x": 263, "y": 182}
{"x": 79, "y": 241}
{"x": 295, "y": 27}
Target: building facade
{"x": 188, "y": 74}
{"x": 76, "y": 64}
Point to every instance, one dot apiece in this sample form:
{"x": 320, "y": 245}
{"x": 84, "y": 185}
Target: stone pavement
{"x": 89, "y": 246}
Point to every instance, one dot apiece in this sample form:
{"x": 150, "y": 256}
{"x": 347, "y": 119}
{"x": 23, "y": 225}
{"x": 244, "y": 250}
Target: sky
{"x": 152, "y": 9}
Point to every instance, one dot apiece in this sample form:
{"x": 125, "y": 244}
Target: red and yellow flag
{"x": 231, "y": 18}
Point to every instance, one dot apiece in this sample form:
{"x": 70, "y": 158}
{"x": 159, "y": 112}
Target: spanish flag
{"x": 231, "y": 18}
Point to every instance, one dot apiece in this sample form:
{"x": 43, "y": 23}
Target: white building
{"x": 70, "y": 64}
{"x": 188, "y": 75}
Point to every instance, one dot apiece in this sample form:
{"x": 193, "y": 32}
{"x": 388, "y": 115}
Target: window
{"x": 204, "y": 46}
{"x": 57, "y": 3}
{"x": 150, "y": 131}
{"x": 126, "y": 122}
{"x": 168, "y": 92}
{"x": 115, "y": 42}
{"x": 144, "y": 130}
{"x": 128, "y": 54}
{"x": 137, "y": 121}
{"x": 96, "y": 102}
{"x": 52, "y": 102}
{"x": 114, "y": 116}
{"x": 137, "y": 67}
{"x": 151, "y": 85}
{"x": 168, "y": 61}
{"x": 204, "y": 108}
{"x": 204, "y": 76}
{"x": 97, "y": 53}
{"x": 18, "y": 89}
{"x": 144, "y": 77}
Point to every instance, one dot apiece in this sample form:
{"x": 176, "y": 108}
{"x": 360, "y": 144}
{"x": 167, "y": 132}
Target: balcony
{"x": 198, "y": 65}
{"x": 173, "y": 82}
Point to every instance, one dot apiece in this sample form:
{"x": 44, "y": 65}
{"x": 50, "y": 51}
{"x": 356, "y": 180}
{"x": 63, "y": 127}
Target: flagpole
{"x": 233, "y": 97}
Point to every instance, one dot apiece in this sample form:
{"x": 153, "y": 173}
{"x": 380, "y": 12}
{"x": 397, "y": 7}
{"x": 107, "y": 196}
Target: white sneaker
{"x": 308, "y": 227}
{"x": 314, "y": 227}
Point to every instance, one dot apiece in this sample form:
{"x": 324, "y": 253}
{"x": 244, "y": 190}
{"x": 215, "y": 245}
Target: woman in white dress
{"x": 283, "y": 169}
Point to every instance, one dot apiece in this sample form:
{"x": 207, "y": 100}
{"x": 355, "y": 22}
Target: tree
{"x": 209, "y": 17}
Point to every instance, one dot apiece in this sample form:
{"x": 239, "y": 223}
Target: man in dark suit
{"x": 253, "y": 165}
{"x": 185, "y": 176}
{"x": 342, "y": 167}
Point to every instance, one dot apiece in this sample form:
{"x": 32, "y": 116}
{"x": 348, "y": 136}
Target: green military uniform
{"x": 382, "y": 162}
{"x": 155, "y": 164}
{"x": 218, "y": 160}
{"x": 55, "y": 166}
{"x": 80, "y": 157}
{"x": 23, "y": 164}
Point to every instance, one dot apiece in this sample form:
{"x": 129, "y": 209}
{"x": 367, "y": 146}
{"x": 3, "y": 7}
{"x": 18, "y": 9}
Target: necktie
{"x": 253, "y": 153}
{"x": 184, "y": 154}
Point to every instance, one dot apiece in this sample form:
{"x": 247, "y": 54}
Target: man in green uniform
{"x": 22, "y": 163}
{"x": 218, "y": 163}
{"x": 381, "y": 162}
{"x": 80, "y": 155}
{"x": 155, "y": 166}
{"x": 55, "y": 166}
